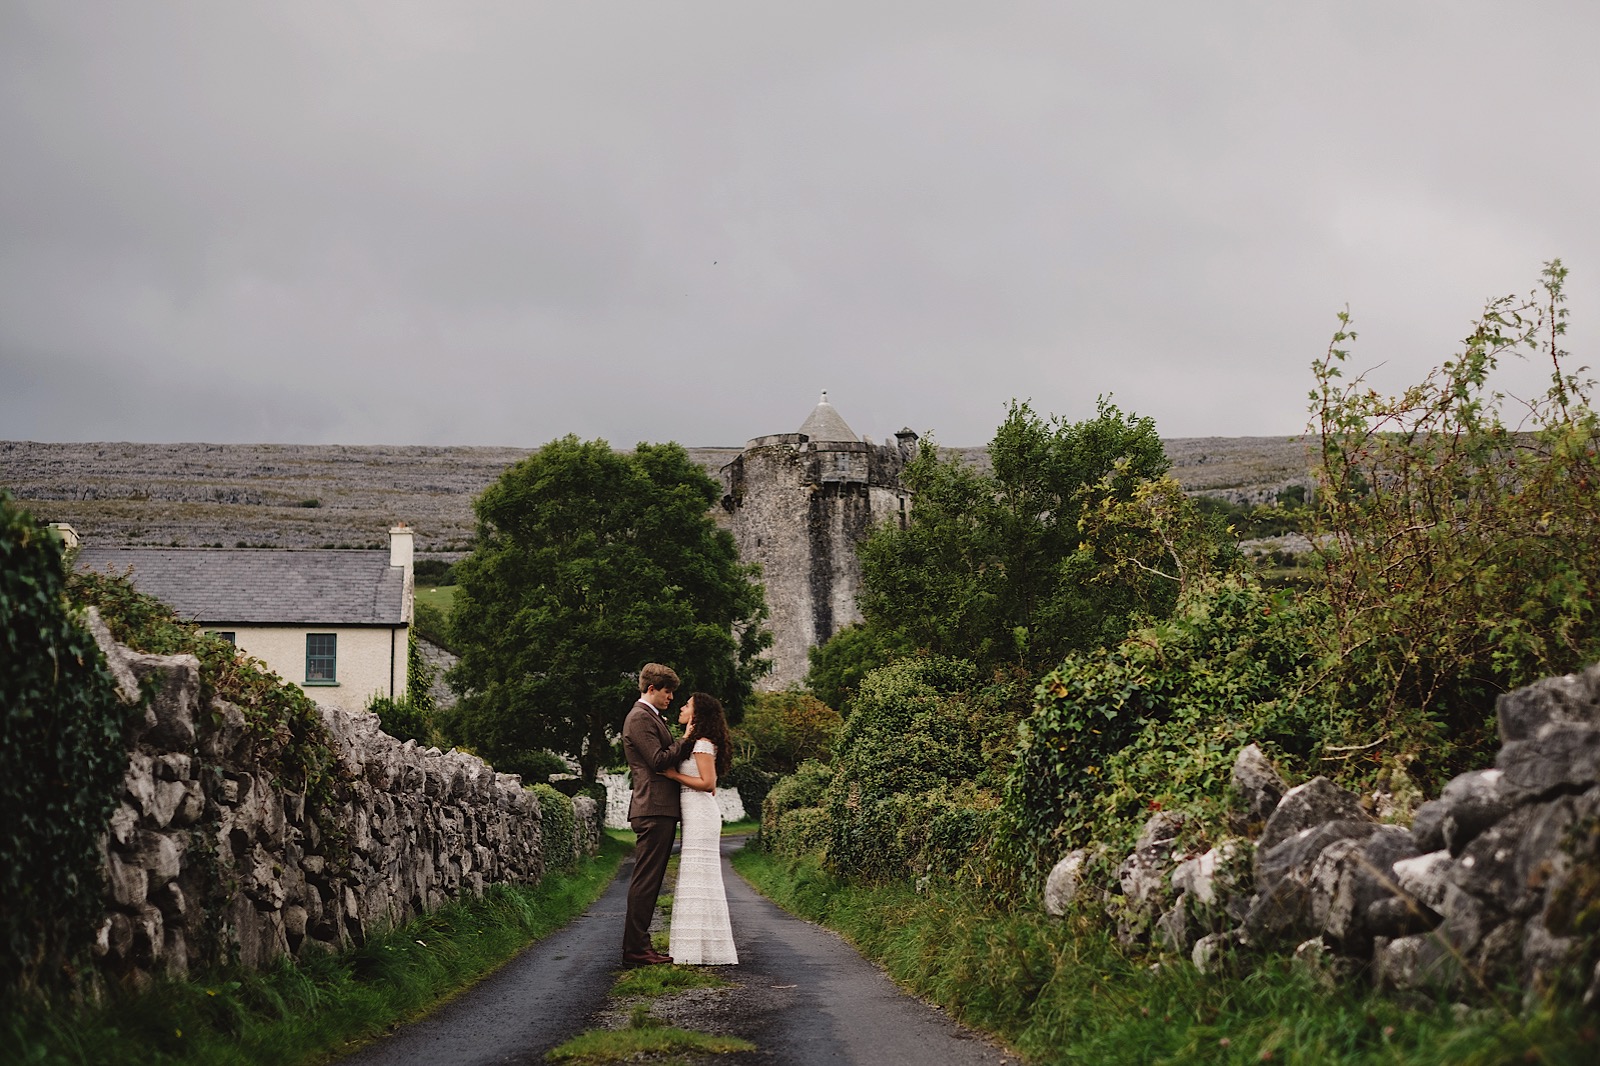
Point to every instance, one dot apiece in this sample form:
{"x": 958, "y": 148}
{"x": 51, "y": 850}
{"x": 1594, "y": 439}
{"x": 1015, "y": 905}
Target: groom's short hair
{"x": 654, "y": 675}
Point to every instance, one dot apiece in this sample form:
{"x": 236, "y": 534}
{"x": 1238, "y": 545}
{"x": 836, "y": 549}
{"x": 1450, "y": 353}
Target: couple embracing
{"x": 675, "y": 779}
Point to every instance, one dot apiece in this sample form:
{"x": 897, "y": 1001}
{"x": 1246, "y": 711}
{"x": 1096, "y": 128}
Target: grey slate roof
{"x": 263, "y": 586}
{"x": 826, "y": 424}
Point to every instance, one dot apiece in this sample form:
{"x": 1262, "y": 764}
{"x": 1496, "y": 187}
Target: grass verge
{"x": 645, "y": 1035}
{"x": 1063, "y": 991}
{"x": 317, "y": 1009}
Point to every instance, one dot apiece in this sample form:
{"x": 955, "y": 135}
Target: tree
{"x": 589, "y": 563}
{"x": 1030, "y": 561}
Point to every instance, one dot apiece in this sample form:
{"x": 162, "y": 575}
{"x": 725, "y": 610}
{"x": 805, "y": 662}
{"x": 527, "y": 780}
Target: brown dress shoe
{"x": 644, "y": 958}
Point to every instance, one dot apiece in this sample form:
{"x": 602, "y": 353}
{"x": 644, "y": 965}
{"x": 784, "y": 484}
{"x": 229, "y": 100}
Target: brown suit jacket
{"x": 649, "y": 748}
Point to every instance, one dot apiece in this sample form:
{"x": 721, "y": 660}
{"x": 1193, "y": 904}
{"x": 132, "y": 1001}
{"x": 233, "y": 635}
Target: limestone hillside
{"x": 311, "y": 496}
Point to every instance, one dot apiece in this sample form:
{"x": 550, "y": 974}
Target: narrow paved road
{"x": 802, "y": 996}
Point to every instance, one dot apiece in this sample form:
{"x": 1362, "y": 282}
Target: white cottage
{"x": 334, "y": 621}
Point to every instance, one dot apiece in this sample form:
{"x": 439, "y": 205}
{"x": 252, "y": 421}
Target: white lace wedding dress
{"x": 701, "y": 934}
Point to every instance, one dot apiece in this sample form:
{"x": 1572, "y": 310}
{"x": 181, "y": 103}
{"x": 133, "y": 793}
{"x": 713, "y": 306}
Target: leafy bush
{"x": 926, "y": 723}
{"x": 433, "y": 572}
{"x": 1458, "y": 545}
{"x": 801, "y": 790}
{"x": 432, "y": 623}
{"x": 63, "y": 752}
{"x": 291, "y": 740}
{"x": 836, "y": 667}
{"x": 559, "y": 824}
{"x": 534, "y": 767}
{"x": 924, "y": 732}
{"x": 1158, "y": 720}
{"x": 412, "y": 717}
{"x": 401, "y": 719}
{"x": 796, "y": 831}
{"x": 753, "y": 784}
{"x": 787, "y": 728}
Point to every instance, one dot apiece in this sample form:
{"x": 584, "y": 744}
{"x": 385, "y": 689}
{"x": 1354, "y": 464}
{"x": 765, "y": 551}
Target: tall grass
{"x": 1064, "y": 991}
{"x": 320, "y": 1007}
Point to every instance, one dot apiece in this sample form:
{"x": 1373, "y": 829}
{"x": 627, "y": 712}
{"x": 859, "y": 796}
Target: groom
{"x": 649, "y": 748}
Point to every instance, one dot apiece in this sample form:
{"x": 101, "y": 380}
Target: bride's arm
{"x": 706, "y": 763}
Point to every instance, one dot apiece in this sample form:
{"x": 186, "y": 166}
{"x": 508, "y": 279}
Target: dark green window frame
{"x": 322, "y": 658}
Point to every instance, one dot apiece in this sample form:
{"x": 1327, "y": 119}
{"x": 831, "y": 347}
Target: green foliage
{"x": 432, "y": 623}
{"x": 291, "y": 741}
{"x": 753, "y": 784}
{"x": 433, "y": 572}
{"x": 792, "y": 819}
{"x": 836, "y": 666}
{"x": 412, "y": 717}
{"x": 1065, "y": 992}
{"x": 401, "y": 719}
{"x": 535, "y": 767}
{"x": 787, "y": 728}
{"x": 1056, "y": 550}
{"x": 645, "y": 1039}
{"x": 1290, "y": 513}
{"x": 803, "y": 788}
{"x": 1158, "y": 720}
{"x": 1458, "y": 546}
{"x": 63, "y": 752}
{"x": 590, "y": 563}
{"x": 559, "y": 825}
{"x": 927, "y": 736}
{"x": 420, "y": 676}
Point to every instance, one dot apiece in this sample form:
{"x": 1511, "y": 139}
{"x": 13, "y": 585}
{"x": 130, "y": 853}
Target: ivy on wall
{"x": 63, "y": 751}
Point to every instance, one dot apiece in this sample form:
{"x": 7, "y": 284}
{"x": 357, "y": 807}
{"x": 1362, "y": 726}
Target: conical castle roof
{"x": 825, "y": 424}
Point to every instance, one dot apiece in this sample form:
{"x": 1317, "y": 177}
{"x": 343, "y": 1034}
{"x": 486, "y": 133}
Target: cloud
{"x": 496, "y": 223}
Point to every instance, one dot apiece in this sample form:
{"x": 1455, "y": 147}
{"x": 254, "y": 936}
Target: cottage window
{"x": 321, "y": 658}
{"x": 226, "y": 634}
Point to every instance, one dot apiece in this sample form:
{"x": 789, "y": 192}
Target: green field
{"x": 441, "y": 596}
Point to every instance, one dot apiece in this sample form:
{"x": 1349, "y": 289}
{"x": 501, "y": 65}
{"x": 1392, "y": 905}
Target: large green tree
{"x": 1058, "y": 547}
{"x": 589, "y": 563}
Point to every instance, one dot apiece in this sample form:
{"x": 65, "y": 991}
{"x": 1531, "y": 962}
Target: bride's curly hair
{"x": 710, "y": 723}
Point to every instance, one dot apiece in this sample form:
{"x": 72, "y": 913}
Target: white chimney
{"x": 68, "y": 535}
{"x": 401, "y": 546}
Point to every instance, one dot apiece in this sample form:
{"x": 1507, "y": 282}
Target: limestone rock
{"x": 1257, "y": 781}
{"x": 1425, "y": 877}
{"x": 1573, "y": 698}
{"x": 1061, "y": 887}
{"x": 116, "y": 656}
{"x": 1282, "y": 909}
{"x": 1415, "y": 962}
{"x": 1561, "y": 756}
{"x": 1314, "y": 803}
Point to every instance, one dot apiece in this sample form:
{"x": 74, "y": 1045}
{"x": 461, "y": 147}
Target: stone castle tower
{"x": 799, "y": 504}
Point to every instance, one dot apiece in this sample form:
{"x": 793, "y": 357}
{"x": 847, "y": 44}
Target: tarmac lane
{"x": 800, "y": 993}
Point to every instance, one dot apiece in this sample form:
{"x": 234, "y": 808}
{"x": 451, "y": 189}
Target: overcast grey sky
{"x": 497, "y": 223}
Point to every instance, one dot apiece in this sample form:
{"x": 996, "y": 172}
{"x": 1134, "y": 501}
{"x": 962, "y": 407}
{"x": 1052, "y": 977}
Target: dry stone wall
{"x": 209, "y": 860}
{"x": 1494, "y": 883}
{"x": 619, "y": 794}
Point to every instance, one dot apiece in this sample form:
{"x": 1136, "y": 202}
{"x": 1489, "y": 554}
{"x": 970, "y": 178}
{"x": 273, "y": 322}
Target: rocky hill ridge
{"x": 308, "y": 496}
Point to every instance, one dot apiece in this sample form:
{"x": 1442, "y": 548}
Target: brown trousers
{"x": 650, "y": 857}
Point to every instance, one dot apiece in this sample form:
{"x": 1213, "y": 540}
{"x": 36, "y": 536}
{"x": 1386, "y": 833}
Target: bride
{"x": 701, "y": 934}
